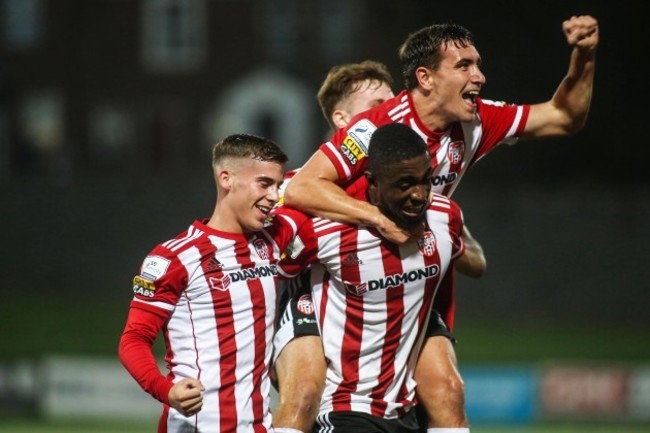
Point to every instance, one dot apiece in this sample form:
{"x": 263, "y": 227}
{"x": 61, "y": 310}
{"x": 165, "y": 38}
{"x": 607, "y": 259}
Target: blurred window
{"x": 173, "y": 35}
{"x": 23, "y": 23}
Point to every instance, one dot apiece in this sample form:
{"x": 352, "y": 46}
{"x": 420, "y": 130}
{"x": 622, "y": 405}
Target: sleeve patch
{"x": 154, "y": 267}
{"x": 295, "y": 247}
{"x": 352, "y": 151}
{"x": 143, "y": 286}
{"x": 361, "y": 132}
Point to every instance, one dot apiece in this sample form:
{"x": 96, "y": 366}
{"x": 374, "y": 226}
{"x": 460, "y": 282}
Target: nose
{"x": 273, "y": 193}
{"x": 420, "y": 193}
{"x": 477, "y": 75}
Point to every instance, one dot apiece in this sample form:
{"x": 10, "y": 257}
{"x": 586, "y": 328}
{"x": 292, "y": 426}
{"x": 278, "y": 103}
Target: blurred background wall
{"x": 108, "y": 110}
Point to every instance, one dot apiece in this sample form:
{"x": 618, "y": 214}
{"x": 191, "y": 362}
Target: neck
{"x": 426, "y": 110}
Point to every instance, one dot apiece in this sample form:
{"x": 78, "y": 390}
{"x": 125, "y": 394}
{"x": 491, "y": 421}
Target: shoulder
{"x": 441, "y": 204}
{"x": 487, "y": 108}
{"x": 181, "y": 242}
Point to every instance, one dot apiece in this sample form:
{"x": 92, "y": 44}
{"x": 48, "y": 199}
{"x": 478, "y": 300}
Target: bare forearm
{"x": 566, "y": 112}
{"x": 325, "y": 199}
{"x": 573, "y": 95}
{"x": 472, "y": 263}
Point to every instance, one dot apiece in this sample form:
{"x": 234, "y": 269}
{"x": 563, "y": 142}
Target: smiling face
{"x": 455, "y": 84}
{"x": 402, "y": 190}
{"x": 250, "y": 190}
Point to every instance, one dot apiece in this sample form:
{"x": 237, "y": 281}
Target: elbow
{"x": 473, "y": 267}
{"x": 123, "y": 347}
{"x": 575, "y": 126}
{"x": 476, "y": 271}
{"x": 481, "y": 267}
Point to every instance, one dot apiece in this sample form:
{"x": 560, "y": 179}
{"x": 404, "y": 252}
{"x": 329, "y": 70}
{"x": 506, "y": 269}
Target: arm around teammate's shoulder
{"x": 314, "y": 190}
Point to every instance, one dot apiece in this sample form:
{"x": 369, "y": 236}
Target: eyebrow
{"x": 269, "y": 179}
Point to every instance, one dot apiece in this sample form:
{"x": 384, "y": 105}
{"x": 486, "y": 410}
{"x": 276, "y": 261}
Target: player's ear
{"x": 340, "y": 118}
{"x": 373, "y": 192}
{"x": 425, "y": 77}
{"x": 225, "y": 179}
{"x": 372, "y": 180}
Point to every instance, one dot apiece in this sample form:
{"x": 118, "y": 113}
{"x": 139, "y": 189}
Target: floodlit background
{"x": 108, "y": 110}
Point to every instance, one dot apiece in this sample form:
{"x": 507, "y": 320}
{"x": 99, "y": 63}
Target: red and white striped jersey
{"x": 372, "y": 300}
{"x": 453, "y": 151}
{"x": 217, "y": 291}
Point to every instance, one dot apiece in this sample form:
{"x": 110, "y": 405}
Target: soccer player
{"x": 300, "y": 365}
{"x": 443, "y": 80}
{"x": 441, "y": 102}
{"x": 372, "y": 297}
{"x": 212, "y": 292}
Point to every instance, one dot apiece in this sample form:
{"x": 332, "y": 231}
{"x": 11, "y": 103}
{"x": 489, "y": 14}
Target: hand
{"x": 186, "y": 396}
{"x": 393, "y": 233}
{"x": 581, "y": 32}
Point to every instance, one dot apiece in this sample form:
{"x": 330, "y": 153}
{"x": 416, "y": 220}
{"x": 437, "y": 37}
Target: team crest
{"x": 427, "y": 244}
{"x": 305, "y": 305}
{"x": 261, "y": 248}
{"x": 456, "y": 152}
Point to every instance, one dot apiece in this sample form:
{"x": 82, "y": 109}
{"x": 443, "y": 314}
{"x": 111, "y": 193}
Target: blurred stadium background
{"x": 108, "y": 109}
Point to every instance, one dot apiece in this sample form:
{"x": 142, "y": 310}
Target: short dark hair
{"x": 248, "y": 146}
{"x": 342, "y": 80}
{"x": 424, "y": 48}
{"x": 392, "y": 143}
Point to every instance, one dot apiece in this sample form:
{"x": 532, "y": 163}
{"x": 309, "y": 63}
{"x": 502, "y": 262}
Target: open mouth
{"x": 471, "y": 96}
{"x": 264, "y": 209}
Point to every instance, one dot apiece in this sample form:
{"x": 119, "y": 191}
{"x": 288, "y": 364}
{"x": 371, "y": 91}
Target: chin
{"x": 255, "y": 227}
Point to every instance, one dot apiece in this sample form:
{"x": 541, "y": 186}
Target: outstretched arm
{"x": 566, "y": 112}
{"x": 314, "y": 190}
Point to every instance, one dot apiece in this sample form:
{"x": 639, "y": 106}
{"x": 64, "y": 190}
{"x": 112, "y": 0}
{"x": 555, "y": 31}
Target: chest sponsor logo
{"x": 222, "y": 284}
{"x": 444, "y": 179}
{"x": 154, "y": 267}
{"x": 394, "y": 280}
{"x": 352, "y": 151}
{"x": 428, "y": 244}
{"x": 143, "y": 286}
{"x": 356, "y": 288}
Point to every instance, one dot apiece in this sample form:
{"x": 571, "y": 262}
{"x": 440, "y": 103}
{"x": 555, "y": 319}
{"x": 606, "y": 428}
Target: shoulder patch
{"x": 361, "y": 132}
{"x": 295, "y": 247}
{"x": 154, "y": 267}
